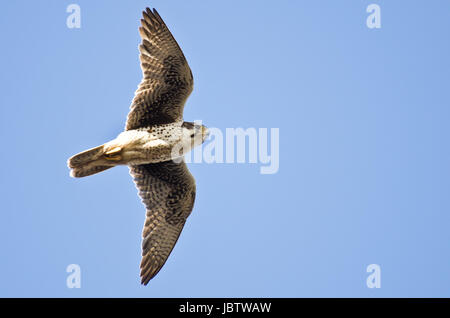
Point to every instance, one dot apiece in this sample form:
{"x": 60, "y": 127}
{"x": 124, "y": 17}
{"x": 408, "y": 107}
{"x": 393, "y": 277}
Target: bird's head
{"x": 195, "y": 132}
{"x": 192, "y": 135}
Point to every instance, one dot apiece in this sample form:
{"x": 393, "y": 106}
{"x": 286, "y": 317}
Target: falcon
{"x": 153, "y": 144}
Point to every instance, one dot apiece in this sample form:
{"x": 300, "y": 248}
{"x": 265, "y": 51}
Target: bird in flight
{"x": 153, "y": 144}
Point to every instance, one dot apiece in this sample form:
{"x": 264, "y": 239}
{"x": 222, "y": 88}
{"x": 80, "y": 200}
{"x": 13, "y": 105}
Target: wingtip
{"x": 147, "y": 10}
{"x": 153, "y": 16}
{"x": 145, "y": 279}
{"x": 149, "y": 13}
{"x": 158, "y": 17}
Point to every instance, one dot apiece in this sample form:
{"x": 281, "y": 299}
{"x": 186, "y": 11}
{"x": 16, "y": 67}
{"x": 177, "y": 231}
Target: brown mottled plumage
{"x": 154, "y": 130}
{"x": 167, "y": 81}
{"x": 168, "y": 191}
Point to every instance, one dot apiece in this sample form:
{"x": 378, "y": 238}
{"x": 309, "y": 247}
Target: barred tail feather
{"x": 88, "y": 162}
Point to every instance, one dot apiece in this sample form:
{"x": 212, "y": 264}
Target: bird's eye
{"x": 192, "y": 135}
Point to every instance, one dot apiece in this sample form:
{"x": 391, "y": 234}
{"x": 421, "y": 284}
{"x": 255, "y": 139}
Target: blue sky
{"x": 364, "y": 175}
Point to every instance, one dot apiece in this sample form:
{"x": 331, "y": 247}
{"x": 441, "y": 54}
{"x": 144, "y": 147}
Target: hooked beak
{"x": 205, "y": 132}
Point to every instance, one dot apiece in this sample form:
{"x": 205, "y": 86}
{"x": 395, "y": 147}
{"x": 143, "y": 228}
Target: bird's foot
{"x": 113, "y": 154}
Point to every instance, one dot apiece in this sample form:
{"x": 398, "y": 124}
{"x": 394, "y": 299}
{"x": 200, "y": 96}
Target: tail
{"x": 89, "y": 162}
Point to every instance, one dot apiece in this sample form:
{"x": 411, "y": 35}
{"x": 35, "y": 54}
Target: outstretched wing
{"x": 167, "y": 78}
{"x": 168, "y": 191}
